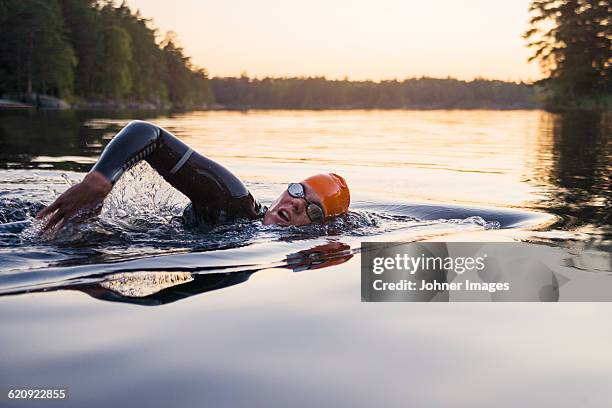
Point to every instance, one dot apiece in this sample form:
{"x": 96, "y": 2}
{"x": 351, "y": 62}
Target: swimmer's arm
{"x": 199, "y": 178}
{"x": 205, "y": 182}
{"x": 133, "y": 143}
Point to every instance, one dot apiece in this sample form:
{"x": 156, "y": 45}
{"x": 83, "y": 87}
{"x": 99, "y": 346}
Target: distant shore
{"x": 47, "y": 102}
{"x": 6, "y": 104}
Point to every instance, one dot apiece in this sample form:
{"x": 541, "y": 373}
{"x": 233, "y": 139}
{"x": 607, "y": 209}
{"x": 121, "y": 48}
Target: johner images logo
{"x": 438, "y": 271}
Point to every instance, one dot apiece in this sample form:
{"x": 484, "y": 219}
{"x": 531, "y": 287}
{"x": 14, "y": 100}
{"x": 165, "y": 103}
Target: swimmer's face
{"x": 287, "y": 210}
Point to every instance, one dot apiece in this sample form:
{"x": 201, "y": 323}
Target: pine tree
{"x": 573, "y": 43}
{"x": 35, "y": 55}
{"x": 80, "y": 18}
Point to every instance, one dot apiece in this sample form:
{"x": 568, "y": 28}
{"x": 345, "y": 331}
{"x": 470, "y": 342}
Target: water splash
{"x": 142, "y": 217}
{"x": 474, "y": 220}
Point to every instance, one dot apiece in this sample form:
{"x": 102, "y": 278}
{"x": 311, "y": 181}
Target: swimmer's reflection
{"x": 158, "y": 288}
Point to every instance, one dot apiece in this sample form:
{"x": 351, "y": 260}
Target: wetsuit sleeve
{"x": 216, "y": 193}
{"x": 133, "y": 143}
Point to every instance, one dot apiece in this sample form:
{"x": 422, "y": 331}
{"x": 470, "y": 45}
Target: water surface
{"x": 271, "y": 316}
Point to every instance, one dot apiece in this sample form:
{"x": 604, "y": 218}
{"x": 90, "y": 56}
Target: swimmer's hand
{"x": 89, "y": 194}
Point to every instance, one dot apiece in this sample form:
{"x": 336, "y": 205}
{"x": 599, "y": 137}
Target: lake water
{"x": 247, "y": 315}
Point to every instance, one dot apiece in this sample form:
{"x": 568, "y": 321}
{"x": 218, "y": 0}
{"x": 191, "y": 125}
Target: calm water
{"x": 236, "y": 325}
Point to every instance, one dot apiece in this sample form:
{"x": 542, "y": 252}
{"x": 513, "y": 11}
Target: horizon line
{"x": 380, "y": 80}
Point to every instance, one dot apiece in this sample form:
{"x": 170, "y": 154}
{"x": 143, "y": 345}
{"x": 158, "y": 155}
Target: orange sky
{"x": 359, "y": 39}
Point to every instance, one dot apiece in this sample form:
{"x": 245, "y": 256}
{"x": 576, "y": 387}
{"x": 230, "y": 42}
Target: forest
{"x": 94, "y": 50}
{"x": 100, "y": 51}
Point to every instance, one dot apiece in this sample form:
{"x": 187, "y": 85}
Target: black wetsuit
{"x": 217, "y": 196}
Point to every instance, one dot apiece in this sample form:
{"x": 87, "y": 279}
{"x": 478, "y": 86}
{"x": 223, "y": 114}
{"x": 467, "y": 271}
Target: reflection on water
{"x": 58, "y": 140}
{"x": 157, "y": 286}
{"x": 576, "y": 166}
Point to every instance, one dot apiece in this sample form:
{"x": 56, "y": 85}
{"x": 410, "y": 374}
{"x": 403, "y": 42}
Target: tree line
{"x": 93, "y": 50}
{"x": 98, "y": 50}
{"x": 415, "y": 93}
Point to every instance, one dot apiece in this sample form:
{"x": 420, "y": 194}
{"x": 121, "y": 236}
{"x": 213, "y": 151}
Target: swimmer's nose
{"x": 295, "y": 205}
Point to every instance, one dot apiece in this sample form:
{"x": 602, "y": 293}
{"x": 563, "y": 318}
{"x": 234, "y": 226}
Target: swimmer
{"x": 217, "y": 196}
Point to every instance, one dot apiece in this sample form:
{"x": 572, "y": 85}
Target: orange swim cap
{"x": 332, "y": 191}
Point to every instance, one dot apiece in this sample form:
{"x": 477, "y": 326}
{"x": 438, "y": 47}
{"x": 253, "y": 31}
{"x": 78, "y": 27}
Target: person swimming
{"x": 216, "y": 195}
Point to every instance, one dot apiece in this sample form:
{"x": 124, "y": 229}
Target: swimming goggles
{"x": 314, "y": 211}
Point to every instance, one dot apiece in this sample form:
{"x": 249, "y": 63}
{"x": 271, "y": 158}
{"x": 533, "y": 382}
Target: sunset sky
{"x": 376, "y": 39}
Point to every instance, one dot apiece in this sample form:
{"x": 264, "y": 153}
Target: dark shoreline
{"x": 11, "y": 104}
{"x": 52, "y": 103}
